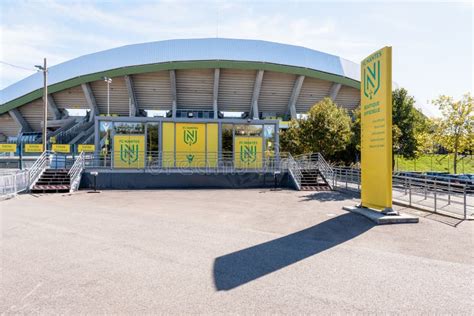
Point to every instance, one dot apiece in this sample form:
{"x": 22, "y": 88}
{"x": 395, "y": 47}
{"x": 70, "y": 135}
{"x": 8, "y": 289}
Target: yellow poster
{"x": 129, "y": 151}
{"x": 33, "y": 148}
{"x": 212, "y": 144}
{"x": 7, "y": 148}
{"x": 168, "y": 145}
{"x": 190, "y": 145}
{"x": 376, "y": 130}
{"x": 62, "y": 148}
{"x": 248, "y": 152}
{"x": 88, "y": 148}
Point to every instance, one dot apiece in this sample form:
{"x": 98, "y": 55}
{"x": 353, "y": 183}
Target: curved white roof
{"x": 186, "y": 50}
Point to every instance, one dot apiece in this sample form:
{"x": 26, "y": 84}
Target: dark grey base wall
{"x": 126, "y": 181}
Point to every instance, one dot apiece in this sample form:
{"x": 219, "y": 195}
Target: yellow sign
{"x": 248, "y": 152}
{"x": 52, "y": 139}
{"x": 62, "y": 148}
{"x": 376, "y": 130}
{"x": 88, "y": 148}
{"x": 190, "y": 145}
{"x": 33, "y": 148}
{"x": 168, "y": 145}
{"x": 7, "y": 148}
{"x": 129, "y": 151}
{"x": 212, "y": 144}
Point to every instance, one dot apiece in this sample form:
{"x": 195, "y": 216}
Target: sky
{"x": 432, "y": 41}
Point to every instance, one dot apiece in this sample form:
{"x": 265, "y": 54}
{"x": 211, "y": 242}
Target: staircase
{"x": 52, "y": 181}
{"x": 313, "y": 180}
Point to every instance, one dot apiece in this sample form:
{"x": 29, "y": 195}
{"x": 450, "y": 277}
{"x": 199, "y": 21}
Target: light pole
{"x": 108, "y": 81}
{"x": 44, "y": 69}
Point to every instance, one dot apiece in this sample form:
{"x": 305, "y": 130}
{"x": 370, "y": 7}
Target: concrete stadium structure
{"x": 210, "y": 78}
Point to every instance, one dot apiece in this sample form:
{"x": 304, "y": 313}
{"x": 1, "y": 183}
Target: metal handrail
{"x": 76, "y": 171}
{"x": 294, "y": 170}
{"x": 38, "y": 167}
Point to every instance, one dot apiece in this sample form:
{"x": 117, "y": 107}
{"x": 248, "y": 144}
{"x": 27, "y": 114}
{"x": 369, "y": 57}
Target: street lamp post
{"x": 108, "y": 81}
{"x": 44, "y": 69}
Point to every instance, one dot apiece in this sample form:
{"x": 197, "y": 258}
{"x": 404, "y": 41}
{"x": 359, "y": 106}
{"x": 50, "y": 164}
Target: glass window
{"x": 105, "y": 135}
{"x": 227, "y": 138}
{"x": 129, "y": 128}
{"x": 269, "y": 139}
{"x": 254, "y": 130}
{"x": 152, "y": 137}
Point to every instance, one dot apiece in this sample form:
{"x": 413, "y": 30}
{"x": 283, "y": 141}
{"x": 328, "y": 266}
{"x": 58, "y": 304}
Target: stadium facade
{"x": 177, "y": 103}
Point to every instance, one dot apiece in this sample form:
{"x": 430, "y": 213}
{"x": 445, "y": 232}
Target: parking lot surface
{"x": 226, "y": 251}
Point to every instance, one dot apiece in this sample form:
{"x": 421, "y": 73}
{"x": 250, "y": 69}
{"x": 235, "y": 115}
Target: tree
{"x": 405, "y": 121}
{"x": 326, "y": 129}
{"x": 457, "y": 125}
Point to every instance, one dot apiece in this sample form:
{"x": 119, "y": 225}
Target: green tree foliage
{"x": 326, "y": 129}
{"x": 456, "y": 128}
{"x": 406, "y": 122}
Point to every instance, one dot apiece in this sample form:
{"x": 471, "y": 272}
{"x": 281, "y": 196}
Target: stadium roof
{"x": 221, "y": 50}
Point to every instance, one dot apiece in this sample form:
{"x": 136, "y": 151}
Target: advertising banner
{"x": 88, "y": 148}
{"x": 129, "y": 151}
{"x": 376, "y": 130}
{"x": 190, "y": 145}
{"x": 7, "y": 148}
{"x": 248, "y": 152}
{"x": 33, "y": 148}
{"x": 62, "y": 148}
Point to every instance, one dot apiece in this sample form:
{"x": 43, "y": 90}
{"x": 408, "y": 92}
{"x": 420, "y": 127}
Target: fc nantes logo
{"x": 129, "y": 153}
{"x": 248, "y": 153}
{"x": 190, "y": 136}
{"x": 371, "y": 79}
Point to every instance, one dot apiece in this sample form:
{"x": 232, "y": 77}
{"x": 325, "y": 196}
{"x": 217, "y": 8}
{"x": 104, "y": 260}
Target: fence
{"x": 454, "y": 196}
{"x": 13, "y": 183}
{"x": 187, "y": 162}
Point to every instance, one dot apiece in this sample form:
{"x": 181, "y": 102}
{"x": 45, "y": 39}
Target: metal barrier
{"x": 38, "y": 167}
{"x": 294, "y": 170}
{"x": 13, "y": 183}
{"x": 316, "y": 161}
{"x": 451, "y": 196}
{"x": 185, "y": 162}
{"x": 76, "y": 171}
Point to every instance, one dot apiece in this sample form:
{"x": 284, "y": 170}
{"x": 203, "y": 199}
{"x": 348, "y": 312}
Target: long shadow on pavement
{"x": 326, "y": 196}
{"x": 243, "y": 266}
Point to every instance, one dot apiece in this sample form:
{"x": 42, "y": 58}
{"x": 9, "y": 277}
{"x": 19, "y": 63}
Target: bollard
{"x": 449, "y": 191}
{"x": 409, "y": 190}
{"x": 435, "y": 201}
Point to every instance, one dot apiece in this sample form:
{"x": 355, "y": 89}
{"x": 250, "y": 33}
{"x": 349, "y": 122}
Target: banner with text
{"x": 376, "y": 130}
{"x": 129, "y": 151}
{"x": 248, "y": 152}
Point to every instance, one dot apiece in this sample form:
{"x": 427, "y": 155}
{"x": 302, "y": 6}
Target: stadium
{"x": 195, "y": 103}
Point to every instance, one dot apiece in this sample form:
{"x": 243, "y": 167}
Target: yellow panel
{"x": 129, "y": 151}
{"x": 86, "y": 148}
{"x": 62, "y": 148}
{"x": 33, "y": 148}
{"x": 376, "y": 129}
{"x": 248, "y": 152}
{"x": 167, "y": 139}
{"x": 190, "y": 145}
{"x": 212, "y": 144}
{"x": 7, "y": 148}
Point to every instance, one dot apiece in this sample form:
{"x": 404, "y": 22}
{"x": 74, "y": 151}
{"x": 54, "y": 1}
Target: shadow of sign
{"x": 243, "y": 266}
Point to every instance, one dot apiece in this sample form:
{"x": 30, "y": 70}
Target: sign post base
{"x": 380, "y": 218}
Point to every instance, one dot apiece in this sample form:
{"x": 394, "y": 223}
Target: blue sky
{"x": 432, "y": 41}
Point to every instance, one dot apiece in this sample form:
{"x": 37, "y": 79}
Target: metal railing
{"x": 425, "y": 191}
{"x": 294, "y": 170}
{"x": 13, "y": 183}
{"x": 38, "y": 167}
{"x": 187, "y": 162}
{"x": 315, "y": 161}
{"x": 76, "y": 171}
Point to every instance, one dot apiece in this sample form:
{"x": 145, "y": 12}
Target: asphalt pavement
{"x": 226, "y": 251}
